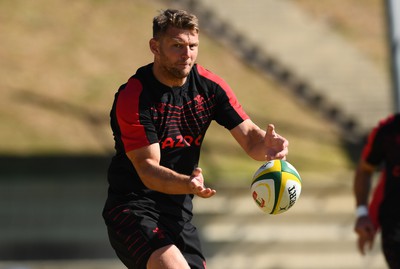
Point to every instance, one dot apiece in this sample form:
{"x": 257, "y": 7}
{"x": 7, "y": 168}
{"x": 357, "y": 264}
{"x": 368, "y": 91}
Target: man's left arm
{"x": 259, "y": 144}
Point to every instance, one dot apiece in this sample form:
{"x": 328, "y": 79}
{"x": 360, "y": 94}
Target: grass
{"x": 62, "y": 61}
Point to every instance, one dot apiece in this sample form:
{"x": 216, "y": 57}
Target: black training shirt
{"x": 146, "y": 111}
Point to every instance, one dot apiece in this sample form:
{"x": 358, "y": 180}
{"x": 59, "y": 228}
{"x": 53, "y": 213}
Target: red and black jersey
{"x": 383, "y": 148}
{"x": 146, "y": 111}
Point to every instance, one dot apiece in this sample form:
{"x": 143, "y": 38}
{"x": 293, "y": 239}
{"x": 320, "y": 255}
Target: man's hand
{"x": 277, "y": 146}
{"x": 197, "y": 184}
{"x": 366, "y": 233}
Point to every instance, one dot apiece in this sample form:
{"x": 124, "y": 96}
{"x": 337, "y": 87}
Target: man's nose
{"x": 186, "y": 52}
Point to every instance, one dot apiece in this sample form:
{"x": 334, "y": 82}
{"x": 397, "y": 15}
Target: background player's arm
{"x": 362, "y": 186}
{"x": 146, "y": 161}
{"x": 259, "y": 144}
{"x": 362, "y": 182}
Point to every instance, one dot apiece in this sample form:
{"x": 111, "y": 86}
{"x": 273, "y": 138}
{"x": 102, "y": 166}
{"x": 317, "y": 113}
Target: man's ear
{"x": 153, "y": 43}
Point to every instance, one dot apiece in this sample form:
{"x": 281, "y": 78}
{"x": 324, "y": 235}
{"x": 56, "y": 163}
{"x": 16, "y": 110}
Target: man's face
{"x": 177, "y": 52}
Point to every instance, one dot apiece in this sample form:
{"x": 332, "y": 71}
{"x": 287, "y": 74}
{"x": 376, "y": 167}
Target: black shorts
{"x": 390, "y": 233}
{"x": 136, "y": 234}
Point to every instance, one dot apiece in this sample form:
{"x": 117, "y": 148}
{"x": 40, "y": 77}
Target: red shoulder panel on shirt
{"x": 229, "y": 92}
{"x": 372, "y": 135}
{"x": 133, "y": 133}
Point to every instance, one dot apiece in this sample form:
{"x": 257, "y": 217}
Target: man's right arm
{"x": 146, "y": 161}
{"x": 362, "y": 186}
{"x": 362, "y": 182}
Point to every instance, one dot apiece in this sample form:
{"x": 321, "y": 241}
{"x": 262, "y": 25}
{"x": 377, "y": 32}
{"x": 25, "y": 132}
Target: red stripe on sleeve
{"x": 368, "y": 147}
{"x": 229, "y": 92}
{"x": 133, "y": 133}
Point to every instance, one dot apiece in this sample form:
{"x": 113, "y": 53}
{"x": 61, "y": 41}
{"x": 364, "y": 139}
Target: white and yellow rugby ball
{"x": 276, "y": 187}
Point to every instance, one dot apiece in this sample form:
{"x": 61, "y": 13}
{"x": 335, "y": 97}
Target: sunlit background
{"x": 318, "y": 70}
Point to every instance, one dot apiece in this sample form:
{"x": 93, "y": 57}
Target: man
{"x": 382, "y": 147}
{"x": 159, "y": 119}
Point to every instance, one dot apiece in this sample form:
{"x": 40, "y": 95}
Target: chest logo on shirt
{"x": 161, "y": 107}
{"x": 199, "y": 102}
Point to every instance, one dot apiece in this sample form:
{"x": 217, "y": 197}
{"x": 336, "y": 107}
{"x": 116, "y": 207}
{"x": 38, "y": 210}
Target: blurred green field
{"x": 62, "y": 61}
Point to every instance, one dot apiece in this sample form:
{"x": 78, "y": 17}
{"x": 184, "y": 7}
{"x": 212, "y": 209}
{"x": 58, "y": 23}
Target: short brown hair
{"x": 175, "y": 18}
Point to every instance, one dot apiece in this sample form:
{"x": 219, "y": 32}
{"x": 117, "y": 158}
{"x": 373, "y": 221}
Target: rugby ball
{"x": 276, "y": 187}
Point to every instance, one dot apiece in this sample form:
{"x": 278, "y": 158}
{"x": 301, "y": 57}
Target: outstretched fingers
{"x": 276, "y": 145}
{"x": 197, "y": 184}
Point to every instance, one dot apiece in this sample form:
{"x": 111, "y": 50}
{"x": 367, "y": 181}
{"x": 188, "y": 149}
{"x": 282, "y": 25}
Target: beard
{"x": 174, "y": 69}
{"x": 178, "y": 73}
